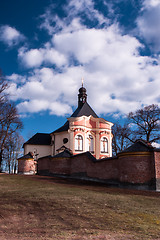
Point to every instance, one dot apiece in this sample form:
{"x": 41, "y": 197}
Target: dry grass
{"x": 51, "y": 208}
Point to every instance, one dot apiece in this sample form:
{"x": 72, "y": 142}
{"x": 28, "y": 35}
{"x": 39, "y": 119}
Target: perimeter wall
{"x": 137, "y": 170}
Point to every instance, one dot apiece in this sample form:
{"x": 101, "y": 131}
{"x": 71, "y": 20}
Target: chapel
{"x": 82, "y": 149}
{"x": 83, "y": 131}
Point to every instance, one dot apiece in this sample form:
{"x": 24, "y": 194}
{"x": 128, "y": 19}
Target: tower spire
{"x": 82, "y": 81}
{"x": 82, "y": 96}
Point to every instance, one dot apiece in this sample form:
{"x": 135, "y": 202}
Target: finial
{"x": 82, "y": 81}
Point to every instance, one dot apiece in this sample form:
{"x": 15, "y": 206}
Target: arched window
{"x": 104, "y": 145}
{"x": 78, "y": 143}
{"x": 90, "y": 143}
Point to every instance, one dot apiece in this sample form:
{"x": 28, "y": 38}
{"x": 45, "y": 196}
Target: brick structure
{"x": 27, "y": 164}
{"x": 138, "y": 167}
{"x": 157, "y": 168}
{"x": 136, "y": 164}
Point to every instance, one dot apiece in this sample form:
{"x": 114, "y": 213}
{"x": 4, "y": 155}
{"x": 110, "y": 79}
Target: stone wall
{"x": 60, "y": 165}
{"x": 157, "y": 169}
{"x": 26, "y": 166}
{"x": 101, "y": 169}
{"x": 127, "y": 169}
{"x": 136, "y": 168}
{"x": 43, "y": 166}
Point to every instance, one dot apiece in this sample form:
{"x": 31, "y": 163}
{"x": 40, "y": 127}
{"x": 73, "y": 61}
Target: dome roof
{"x": 82, "y": 90}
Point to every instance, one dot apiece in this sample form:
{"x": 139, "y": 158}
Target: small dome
{"x": 82, "y": 90}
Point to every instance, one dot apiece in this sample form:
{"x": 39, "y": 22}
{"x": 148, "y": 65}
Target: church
{"x": 82, "y": 148}
{"x": 83, "y": 131}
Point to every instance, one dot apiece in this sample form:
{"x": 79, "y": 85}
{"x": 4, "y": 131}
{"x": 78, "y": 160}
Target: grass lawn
{"x": 34, "y": 207}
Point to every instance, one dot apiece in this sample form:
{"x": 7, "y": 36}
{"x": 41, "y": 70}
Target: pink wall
{"x": 104, "y": 125}
{"x": 157, "y": 169}
{"x": 88, "y": 123}
{"x": 79, "y": 123}
{"x": 26, "y": 166}
{"x": 157, "y": 164}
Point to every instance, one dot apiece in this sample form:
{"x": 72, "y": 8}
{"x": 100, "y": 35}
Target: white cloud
{"x": 82, "y": 44}
{"x": 46, "y": 90}
{"x": 53, "y": 23}
{"x": 86, "y": 7}
{"x": 148, "y": 23}
{"x": 17, "y": 78}
{"x": 31, "y": 58}
{"x": 117, "y": 77}
{"x": 59, "y": 109}
{"x": 10, "y": 35}
{"x": 151, "y": 3}
{"x": 54, "y": 57}
{"x": 33, "y": 106}
{"x": 36, "y": 57}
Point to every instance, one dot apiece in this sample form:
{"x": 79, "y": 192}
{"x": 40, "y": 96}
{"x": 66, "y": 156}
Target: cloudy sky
{"x": 47, "y": 46}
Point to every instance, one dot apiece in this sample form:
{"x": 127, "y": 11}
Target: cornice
{"x": 125, "y": 154}
{"x": 26, "y": 159}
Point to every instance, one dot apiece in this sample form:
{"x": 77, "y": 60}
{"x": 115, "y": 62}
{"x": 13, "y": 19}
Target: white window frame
{"x": 78, "y": 143}
{"x": 104, "y": 144}
{"x": 90, "y": 143}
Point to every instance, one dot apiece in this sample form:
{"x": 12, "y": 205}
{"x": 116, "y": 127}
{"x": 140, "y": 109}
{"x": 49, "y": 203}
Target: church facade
{"x": 82, "y": 148}
{"x": 83, "y": 131}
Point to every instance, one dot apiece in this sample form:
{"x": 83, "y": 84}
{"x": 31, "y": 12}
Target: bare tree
{"x": 146, "y": 123}
{"x": 9, "y": 124}
{"x": 12, "y": 151}
{"x": 121, "y": 135}
{"x": 143, "y": 123}
{"x": 3, "y": 86}
{"x": 9, "y": 119}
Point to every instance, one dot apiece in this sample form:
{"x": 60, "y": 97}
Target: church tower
{"x": 82, "y": 96}
{"x": 83, "y": 131}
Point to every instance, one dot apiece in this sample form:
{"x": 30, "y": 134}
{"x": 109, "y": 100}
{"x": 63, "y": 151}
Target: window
{"x": 78, "y": 143}
{"x": 104, "y": 145}
{"x": 90, "y": 143}
{"x": 65, "y": 140}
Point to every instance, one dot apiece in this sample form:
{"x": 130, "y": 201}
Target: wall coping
{"x": 125, "y": 154}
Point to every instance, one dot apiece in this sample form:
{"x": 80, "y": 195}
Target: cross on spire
{"x": 82, "y": 81}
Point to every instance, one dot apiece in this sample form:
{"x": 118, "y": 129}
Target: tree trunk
{"x": 15, "y": 168}
{"x": 148, "y": 136}
{"x": 1, "y": 160}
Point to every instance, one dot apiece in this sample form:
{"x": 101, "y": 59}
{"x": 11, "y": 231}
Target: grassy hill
{"x": 34, "y": 207}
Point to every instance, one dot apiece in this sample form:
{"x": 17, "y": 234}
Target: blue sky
{"x": 46, "y": 47}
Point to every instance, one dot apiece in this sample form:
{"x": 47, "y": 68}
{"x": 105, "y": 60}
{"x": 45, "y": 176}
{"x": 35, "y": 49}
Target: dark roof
{"x": 27, "y": 156}
{"x": 85, "y": 110}
{"x": 65, "y": 127}
{"x": 40, "y": 139}
{"x": 44, "y": 157}
{"x": 64, "y": 154}
{"x": 88, "y": 154}
{"x": 62, "y": 148}
{"x": 139, "y": 146}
